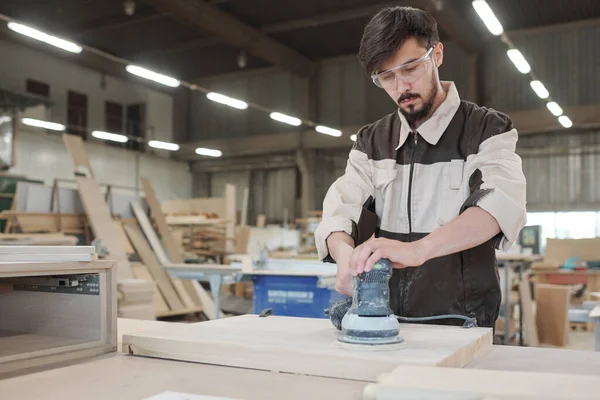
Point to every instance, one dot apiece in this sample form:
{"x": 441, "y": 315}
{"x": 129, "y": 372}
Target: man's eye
{"x": 411, "y": 69}
{"x": 388, "y": 77}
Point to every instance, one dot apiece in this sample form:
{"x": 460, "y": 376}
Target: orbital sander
{"x": 366, "y": 318}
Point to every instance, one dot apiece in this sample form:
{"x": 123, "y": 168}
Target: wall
{"x": 342, "y": 95}
{"x": 20, "y": 63}
{"x": 44, "y": 156}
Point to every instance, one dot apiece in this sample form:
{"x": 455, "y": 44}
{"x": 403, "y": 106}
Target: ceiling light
{"x": 487, "y": 16}
{"x": 153, "y": 76}
{"x": 208, "y": 152}
{"x": 565, "y": 121}
{"x": 554, "y": 108}
{"x": 157, "y": 144}
{"x": 353, "y": 137}
{"x": 53, "y": 126}
{"x": 539, "y": 89}
{"x": 44, "y": 37}
{"x": 328, "y": 131}
{"x": 219, "y": 98}
{"x": 113, "y": 137}
{"x": 517, "y": 58}
{"x": 285, "y": 118}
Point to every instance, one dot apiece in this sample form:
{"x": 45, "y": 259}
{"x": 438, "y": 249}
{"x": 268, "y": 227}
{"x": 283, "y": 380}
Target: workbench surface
{"x": 126, "y": 377}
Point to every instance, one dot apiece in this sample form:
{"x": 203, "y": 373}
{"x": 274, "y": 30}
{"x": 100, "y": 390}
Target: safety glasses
{"x": 408, "y": 73}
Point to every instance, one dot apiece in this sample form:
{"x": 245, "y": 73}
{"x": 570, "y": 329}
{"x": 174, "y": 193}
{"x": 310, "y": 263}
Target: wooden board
{"x": 558, "y": 250}
{"x": 76, "y": 149}
{"x": 209, "y": 205}
{"x": 428, "y": 383}
{"x": 140, "y": 271}
{"x": 47, "y": 250}
{"x": 552, "y": 314}
{"x": 134, "y": 378}
{"x": 48, "y": 257}
{"x": 161, "y": 278}
{"x": 102, "y": 224}
{"x": 123, "y": 238}
{"x": 231, "y": 216}
{"x": 307, "y": 346}
{"x": 160, "y": 252}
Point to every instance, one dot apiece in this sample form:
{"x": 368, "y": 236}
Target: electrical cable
{"x": 469, "y": 322}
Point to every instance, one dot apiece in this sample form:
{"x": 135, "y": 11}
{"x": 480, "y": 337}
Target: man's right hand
{"x": 341, "y": 246}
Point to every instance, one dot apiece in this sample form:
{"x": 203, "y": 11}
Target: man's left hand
{"x": 401, "y": 254}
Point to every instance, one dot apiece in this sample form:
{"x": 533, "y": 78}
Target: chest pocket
{"x": 385, "y": 190}
{"x": 455, "y": 191}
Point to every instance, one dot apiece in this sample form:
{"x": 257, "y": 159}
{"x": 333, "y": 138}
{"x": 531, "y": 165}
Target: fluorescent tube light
{"x": 219, "y": 98}
{"x": 285, "y": 119}
{"x": 53, "y": 126}
{"x": 208, "y": 152}
{"x": 539, "y": 89}
{"x": 517, "y": 58}
{"x": 110, "y": 136}
{"x": 153, "y": 76}
{"x": 353, "y": 137}
{"x": 44, "y": 37}
{"x": 554, "y": 108}
{"x": 565, "y": 121}
{"x": 157, "y": 144}
{"x": 328, "y": 131}
{"x": 488, "y": 17}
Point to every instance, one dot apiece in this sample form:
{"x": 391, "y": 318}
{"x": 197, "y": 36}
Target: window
{"x": 77, "y": 114}
{"x": 135, "y": 124}
{"x": 38, "y": 88}
{"x": 566, "y": 225}
{"x": 113, "y": 117}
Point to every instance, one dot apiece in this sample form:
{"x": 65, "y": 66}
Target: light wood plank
{"x": 231, "y": 216}
{"x": 450, "y": 383}
{"x": 140, "y": 271}
{"x": 76, "y": 149}
{"x": 159, "y": 251}
{"x": 47, "y": 250}
{"x": 48, "y": 257}
{"x": 552, "y": 314}
{"x": 307, "y": 346}
{"x": 161, "y": 278}
{"x": 529, "y": 325}
{"x": 123, "y": 238}
{"x": 208, "y": 205}
{"x": 134, "y": 378}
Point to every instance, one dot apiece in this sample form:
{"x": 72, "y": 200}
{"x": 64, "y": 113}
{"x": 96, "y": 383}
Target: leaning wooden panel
{"x": 307, "y": 346}
{"x": 54, "y": 312}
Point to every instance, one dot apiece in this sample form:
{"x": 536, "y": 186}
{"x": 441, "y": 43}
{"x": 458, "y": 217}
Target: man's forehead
{"x": 409, "y": 51}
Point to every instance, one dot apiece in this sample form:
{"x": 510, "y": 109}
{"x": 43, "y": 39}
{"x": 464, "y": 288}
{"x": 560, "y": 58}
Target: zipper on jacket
{"x": 409, "y": 209}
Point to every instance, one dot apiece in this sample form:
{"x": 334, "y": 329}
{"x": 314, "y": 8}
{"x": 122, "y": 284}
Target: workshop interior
{"x": 333, "y": 199}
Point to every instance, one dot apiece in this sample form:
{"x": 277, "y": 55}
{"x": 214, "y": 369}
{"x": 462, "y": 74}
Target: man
{"x": 437, "y": 183}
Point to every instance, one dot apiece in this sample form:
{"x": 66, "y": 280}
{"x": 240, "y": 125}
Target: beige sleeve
{"x": 502, "y": 191}
{"x": 343, "y": 204}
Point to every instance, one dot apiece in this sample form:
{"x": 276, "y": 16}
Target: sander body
{"x": 369, "y": 319}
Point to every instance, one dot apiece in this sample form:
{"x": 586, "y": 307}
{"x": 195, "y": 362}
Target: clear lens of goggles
{"x": 408, "y": 73}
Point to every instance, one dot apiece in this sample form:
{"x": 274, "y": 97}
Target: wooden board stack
{"x": 104, "y": 228}
{"x": 136, "y": 299}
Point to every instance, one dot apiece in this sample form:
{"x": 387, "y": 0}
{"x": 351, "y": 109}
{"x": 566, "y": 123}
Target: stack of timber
{"x": 204, "y": 226}
{"x": 136, "y": 299}
{"x": 104, "y": 229}
{"x": 32, "y": 239}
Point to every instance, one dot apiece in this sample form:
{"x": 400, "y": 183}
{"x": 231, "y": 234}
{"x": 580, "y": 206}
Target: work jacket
{"x": 403, "y": 184}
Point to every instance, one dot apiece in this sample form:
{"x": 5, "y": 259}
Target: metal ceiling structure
{"x": 192, "y": 39}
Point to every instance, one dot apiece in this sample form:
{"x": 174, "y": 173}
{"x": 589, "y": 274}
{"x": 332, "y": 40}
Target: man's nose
{"x": 401, "y": 86}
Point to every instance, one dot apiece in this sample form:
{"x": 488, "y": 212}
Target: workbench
{"x": 124, "y": 377}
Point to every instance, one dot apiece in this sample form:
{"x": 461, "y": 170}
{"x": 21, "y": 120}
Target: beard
{"x": 413, "y": 114}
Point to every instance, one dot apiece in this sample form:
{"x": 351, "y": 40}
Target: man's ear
{"x": 438, "y": 54}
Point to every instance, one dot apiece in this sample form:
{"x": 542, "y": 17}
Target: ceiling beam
{"x": 115, "y": 22}
{"x": 328, "y": 18}
{"x": 234, "y": 32}
{"x": 454, "y": 24}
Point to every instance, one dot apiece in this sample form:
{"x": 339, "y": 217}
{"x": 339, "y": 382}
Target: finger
{"x": 364, "y": 254}
{"x": 373, "y": 258}
{"x": 396, "y": 265}
{"x": 354, "y": 257}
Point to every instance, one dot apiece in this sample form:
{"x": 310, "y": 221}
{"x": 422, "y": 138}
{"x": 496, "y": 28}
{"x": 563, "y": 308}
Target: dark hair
{"x": 389, "y": 28}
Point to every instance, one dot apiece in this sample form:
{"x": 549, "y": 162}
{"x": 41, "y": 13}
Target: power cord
{"x": 469, "y": 322}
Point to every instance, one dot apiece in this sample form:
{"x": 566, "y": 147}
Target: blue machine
{"x": 293, "y": 296}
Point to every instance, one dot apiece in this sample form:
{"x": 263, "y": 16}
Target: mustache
{"x": 407, "y": 96}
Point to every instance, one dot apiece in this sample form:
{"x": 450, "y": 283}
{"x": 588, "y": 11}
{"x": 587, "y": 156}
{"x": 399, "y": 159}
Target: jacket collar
{"x": 432, "y": 129}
